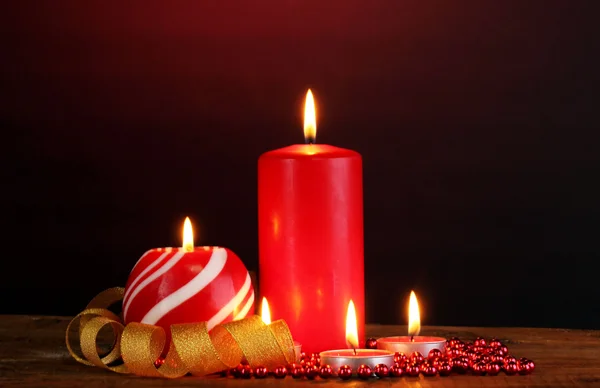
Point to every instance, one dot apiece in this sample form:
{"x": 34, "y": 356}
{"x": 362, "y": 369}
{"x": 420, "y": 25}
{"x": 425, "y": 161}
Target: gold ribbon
{"x": 192, "y": 349}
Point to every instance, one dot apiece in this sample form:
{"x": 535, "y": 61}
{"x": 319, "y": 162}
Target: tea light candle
{"x": 413, "y": 342}
{"x": 355, "y": 357}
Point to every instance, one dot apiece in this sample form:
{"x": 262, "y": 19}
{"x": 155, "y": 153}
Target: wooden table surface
{"x": 33, "y": 354}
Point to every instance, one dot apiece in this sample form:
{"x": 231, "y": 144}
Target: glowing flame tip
{"x": 351, "y": 326}
{"x": 310, "y": 119}
{"x": 265, "y": 313}
{"x": 414, "y": 317}
{"x": 188, "y": 235}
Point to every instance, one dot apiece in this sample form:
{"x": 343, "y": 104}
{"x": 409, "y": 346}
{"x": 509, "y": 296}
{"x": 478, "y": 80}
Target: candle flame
{"x": 351, "y": 326}
{"x": 188, "y": 235}
{"x": 310, "y": 119}
{"x": 414, "y": 318}
{"x": 265, "y": 313}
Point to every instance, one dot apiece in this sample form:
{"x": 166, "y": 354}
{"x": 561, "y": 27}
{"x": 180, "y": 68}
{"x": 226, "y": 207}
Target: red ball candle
{"x": 310, "y": 220}
{"x": 186, "y": 285}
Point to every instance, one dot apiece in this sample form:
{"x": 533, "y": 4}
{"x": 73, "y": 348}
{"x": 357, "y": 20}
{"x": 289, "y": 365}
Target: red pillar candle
{"x": 310, "y": 220}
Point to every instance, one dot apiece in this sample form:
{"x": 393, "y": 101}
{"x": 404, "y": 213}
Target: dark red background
{"x": 477, "y": 121}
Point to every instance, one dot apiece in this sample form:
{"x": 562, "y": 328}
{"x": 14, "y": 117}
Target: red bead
{"x": 364, "y": 372}
{"x": 531, "y": 366}
{"x": 495, "y": 343}
{"x": 498, "y": 358}
{"x": 479, "y": 342}
{"x": 238, "y": 370}
{"x": 493, "y": 368}
{"x": 473, "y": 361}
{"x": 511, "y": 368}
{"x": 303, "y": 356}
{"x": 396, "y": 370}
{"x": 293, "y": 365}
{"x": 381, "y": 370}
{"x": 297, "y": 371}
{"x": 509, "y": 359}
{"x": 244, "y": 371}
{"x": 429, "y": 370}
{"x": 261, "y": 372}
{"x": 460, "y": 366}
{"x": 440, "y": 360}
{"x": 503, "y": 350}
{"x": 400, "y": 357}
{"x": 345, "y": 372}
{"x": 525, "y": 366}
{"x": 325, "y": 372}
{"x": 452, "y": 342}
{"x": 444, "y": 369}
{"x": 412, "y": 370}
{"x": 417, "y": 358}
{"x": 479, "y": 369}
{"x": 159, "y": 362}
{"x": 471, "y": 354}
{"x": 280, "y": 372}
{"x": 311, "y": 372}
{"x": 485, "y": 358}
{"x": 454, "y": 352}
{"x": 434, "y": 354}
{"x": 315, "y": 359}
{"x": 371, "y": 343}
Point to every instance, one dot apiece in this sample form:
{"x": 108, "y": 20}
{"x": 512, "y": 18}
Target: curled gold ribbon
{"x": 192, "y": 348}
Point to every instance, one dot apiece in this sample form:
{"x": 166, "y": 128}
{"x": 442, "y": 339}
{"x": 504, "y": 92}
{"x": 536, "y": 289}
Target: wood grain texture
{"x": 33, "y": 354}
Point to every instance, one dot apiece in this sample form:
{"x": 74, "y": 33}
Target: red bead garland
{"x": 345, "y": 372}
{"x": 296, "y": 371}
{"x": 480, "y": 357}
{"x": 381, "y": 370}
{"x": 396, "y": 370}
{"x": 280, "y": 372}
{"x": 311, "y": 371}
{"x": 325, "y": 372}
{"x": 261, "y": 372}
{"x": 364, "y": 372}
{"x": 371, "y": 343}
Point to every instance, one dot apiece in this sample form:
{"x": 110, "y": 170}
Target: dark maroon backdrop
{"x": 477, "y": 121}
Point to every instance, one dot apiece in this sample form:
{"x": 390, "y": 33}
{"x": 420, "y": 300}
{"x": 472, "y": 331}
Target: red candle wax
{"x": 310, "y": 220}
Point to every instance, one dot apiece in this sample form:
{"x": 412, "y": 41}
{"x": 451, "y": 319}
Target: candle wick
{"x": 309, "y": 140}
{"x": 354, "y": 351}
{"x": 412, "y": 338}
